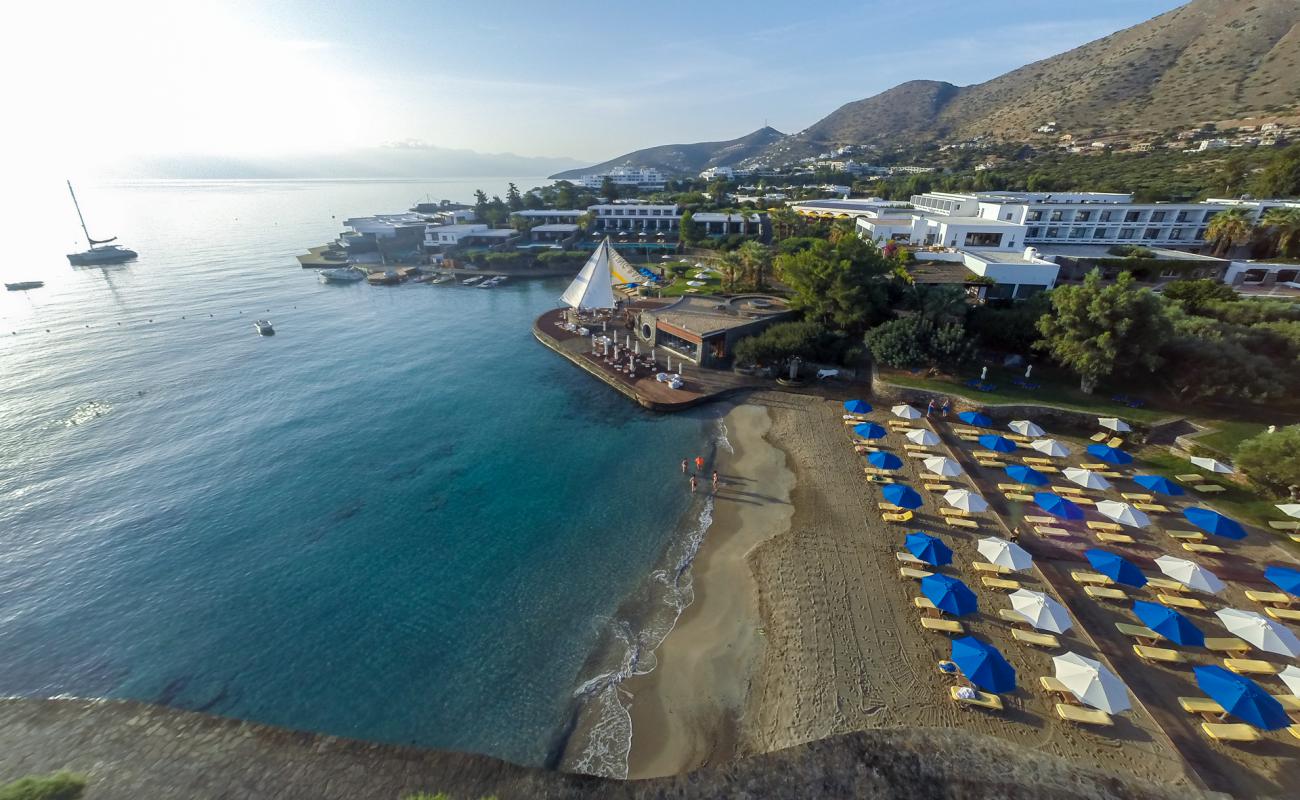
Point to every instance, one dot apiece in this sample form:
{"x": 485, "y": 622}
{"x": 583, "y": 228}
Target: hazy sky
{"x": 105, "y": 80}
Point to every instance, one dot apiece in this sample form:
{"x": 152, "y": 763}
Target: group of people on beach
{"x": 943, "y": 410}
{"x": 699, "y": 468}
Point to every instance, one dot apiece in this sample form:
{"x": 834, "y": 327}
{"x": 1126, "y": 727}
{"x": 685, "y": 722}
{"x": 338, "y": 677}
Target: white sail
{"x": 594, "y": 286}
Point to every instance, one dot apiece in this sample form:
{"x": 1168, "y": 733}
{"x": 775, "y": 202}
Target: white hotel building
{"x": 634, "y": 215}
{"x": 641, "y": 177}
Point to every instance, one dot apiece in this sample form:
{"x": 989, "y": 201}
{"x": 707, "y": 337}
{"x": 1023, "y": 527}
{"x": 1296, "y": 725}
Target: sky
{"x": 95, "y": 83}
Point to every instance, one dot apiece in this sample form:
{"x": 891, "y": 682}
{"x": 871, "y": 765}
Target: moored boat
{"x": 22, "y": 286}
{"x": 472, "y": 281}
{"x": 263, "y": 327}
{"x": 346, "y": 275}
{"x": 101, "y": 250}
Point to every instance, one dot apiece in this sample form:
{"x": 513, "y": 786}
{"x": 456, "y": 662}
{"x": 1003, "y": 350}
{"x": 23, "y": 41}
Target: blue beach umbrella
{"x": 857, "y": 406}
{"x": 1022, "y": 474}
{"x": 884, "y": 460}
{"x": 1214, "y": 522}
{"x": 1159, "y": 484}
{"x": 983, "y": 665}
{"x": 1241, "y": 697}
{"x": 1169, "y": 623}
{"x": 869, "y": 430}
{"x": 1284, "y": 578}
{"x": 975, "y": 418}
{"x": 901, "y": 495}
{"x": 1111, "y": 455}
{"x": 998, "y": 444}
{"x": 1116, "y": 567}
{"x": 948, "y": 594}
{"x": 1057, "y": 506}
{"x": 929, "y": 549}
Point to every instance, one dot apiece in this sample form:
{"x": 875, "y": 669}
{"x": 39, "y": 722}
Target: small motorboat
{"x": 263, "y": 327}
{"x": 345, "y": 275}
{"x": 22, "y": 286}
{"x": 440, "y": 279}
{"x": 471, "y": 281}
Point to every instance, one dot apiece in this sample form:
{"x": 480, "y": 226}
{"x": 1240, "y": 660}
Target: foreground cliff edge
{"x": 135, "y": 750}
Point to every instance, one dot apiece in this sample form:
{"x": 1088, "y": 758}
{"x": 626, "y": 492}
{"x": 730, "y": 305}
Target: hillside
{"x": 688, "y": 159}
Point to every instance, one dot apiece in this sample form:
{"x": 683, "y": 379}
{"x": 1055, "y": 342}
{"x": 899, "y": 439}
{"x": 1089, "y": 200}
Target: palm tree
{"x": 1285, "y": 223}
{"x": 731, "y": 265}
{"x": 1228, "y": 229}
{"x": 754, "y": 257}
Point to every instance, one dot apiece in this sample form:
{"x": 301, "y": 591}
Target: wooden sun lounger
{"x": 981, "y": 700}
{"x": 1036, "y": 639}
{"x": 962, "y": 523}
{"x": 1176, "y": 601}
{"x": 912, "y": 573}
{"x": 1140, "y": 632}
{"x": 950, "y": 626}
{"x": 1167, "y": 585}
{"x": 914, "y": 446}
{"x": 938, "y": 487}
{"x": 884, "y": 473}
{"x": 1100, "y": 436}
{"x": 1295, "y": 537}
{"x": 1078, "y": 490}
{"x": 992, "y": 455}
{"x": 991, "y": 464}
{"x": 1051, "y": 530}
{"x": 968, "y": 437}
{"x": 1038, "y": 518}
{"x": 1250, "y": 666}
{"x": 1046, "y": 468}
{"x": 1036, "y": 460}
{"x": 1155, "y": 508}
{"x": 908, "y": 558}
{"x": 1209, "y": 488}
{"x": 1080, "y": 715}
{"x": 1269, "y": 598}
{"x": 1011, "y": 487}
{"x": 949, "y": 511}
{"x": 1115, "y": 538}
{"x": 1141, "y": 497}
{"x": 1094, "y": 467}
{"x": 1226, "y": 644}
{"x": 1053, "y": 685}
{"x": 1079, "y": 499}
{"x": 1283, "y": 614}
{"x": 924, "y": 604}
{"x": 1289, "y": 702}
{"x": 1013, "y": 616}
{"x": 1191, "y": 536}
{"x": 997, "y": 569}
{"x": 885, "y": 505}
{"x": 1019, "y": 497}
{"x": 1190, "y": 477}
{"x": 1109, "y": 527}
{"x": 1230, "y": 732}
{"x": 1200, "y": 705}
{"x": 1158, "y": 655}
{"x": 1090, "y": 578}
{"x": 920, "y": 454}
{"x": 1116, "y": 442}
{"x": 1000, "y": 583}
{"x": 1104, "y": 593}
{"x": 966, "y": 429}
{"x": 1288, "y": 525}
{"x": 1017, "y": 437}
{"x": 1198, "y": 547}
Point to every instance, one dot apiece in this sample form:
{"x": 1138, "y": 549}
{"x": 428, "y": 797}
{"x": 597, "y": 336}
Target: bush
{"x": 561, "y": 257}
{"x": 59, "y": 786}
{"x": 505, "y": 259}
{"x": 1272, "y": 458}
{"x": 808, "y": 340}
{"x": 897, "y": 343}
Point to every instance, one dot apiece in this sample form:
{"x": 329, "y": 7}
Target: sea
{"x": 400, "y": 518}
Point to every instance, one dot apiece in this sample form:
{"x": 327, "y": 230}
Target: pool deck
{"x": 700, "y": 385}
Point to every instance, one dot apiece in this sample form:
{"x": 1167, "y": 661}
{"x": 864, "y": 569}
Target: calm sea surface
{"x": 400, "y": 518}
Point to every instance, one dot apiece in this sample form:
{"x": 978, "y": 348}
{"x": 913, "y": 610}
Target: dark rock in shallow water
{"x": 134, "y": 750}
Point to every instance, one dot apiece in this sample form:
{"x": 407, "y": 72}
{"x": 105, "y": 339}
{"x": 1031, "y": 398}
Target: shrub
{"x": 1272, "y": 458}
{"x": 59, "y": 786}
{"x": 808, "y": 340}
{"x": 897, "y": 343}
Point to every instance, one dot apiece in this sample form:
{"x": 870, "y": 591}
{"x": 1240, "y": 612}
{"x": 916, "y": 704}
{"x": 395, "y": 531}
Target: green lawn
{"x": 1238, "y": 501}
{"x": 1051, "y": 392}
{"x": 713, "y": 283}
{"x": 1228, "y": 433}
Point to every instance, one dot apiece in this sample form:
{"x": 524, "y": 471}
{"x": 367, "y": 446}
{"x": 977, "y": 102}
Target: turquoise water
{"x": 400, "y": 518}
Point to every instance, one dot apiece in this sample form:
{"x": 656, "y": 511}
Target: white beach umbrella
{"x": 1211, "y": 464}
{"x": 1290, "y": 509}
{"x": 940, "y": 465}
{"x": 966, "y": 500}
{"x": 1025, "y": 428}
{"x": 1050, "y": 447}
{"x": 1085, "y": 478}
{"x": 1004, "y": 554}
{"x": 1043, "y": 612}
{"x": 1123, "y": 513}
{"x": 1260, "y": 631}
{"x": 1190, "y": 574}
{"x": 1091, "y": 682}
{"x": 906, "y": 412}
{"x": 1114, "y": 423}
{"x": 1291, "y": 677}
{"x": 922, "y": 437}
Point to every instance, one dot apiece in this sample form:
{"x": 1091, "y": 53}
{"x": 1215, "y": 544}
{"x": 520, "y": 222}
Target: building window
{"x": 1008, "y": 217}
{"x": 1176, "y": 233}
{"x": 1056, "y": 216}
{"x": 1106, "y": 216}
{"x": 1151, "y": 233}
{"x": 1132, "y": 216}
{"x": 1078, "y": 233}
{"x": 1034, "y": 216}
{"x": 1182, "y": 217}
{"x": 1157, "y": 216}
{"x": 1099, "y": 233}
{"x": 976, "y": 239}
{"x": 1032, "y": 233}
{"x": 1200, "y": 234}
{"x": 1053, "y": 233}
{"x": 1126, "y": 233}
{"x": 1082, "y": 216}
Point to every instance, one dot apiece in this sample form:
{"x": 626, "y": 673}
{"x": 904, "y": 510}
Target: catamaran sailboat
{"x": 101, "y": 251}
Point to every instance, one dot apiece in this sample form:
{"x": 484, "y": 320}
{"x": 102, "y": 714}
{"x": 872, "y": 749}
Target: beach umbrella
{"x": 1190, "y": 574}
{"x": 1116, "y": 567}
{"x": 906, "y": 412}
{"x": 901, "y": 495}
{"x": 1057, "y": 506}
{"x": 1260, "y": 631}
{"x": 1043, "y": 612}
{"x": 966, "y": 500}
{"x": 1291, "y": 677}
{"x": 857, "y": 406}
{"x": 869, "y": 430}
{"x": 1111, "y": 455}
{"x": 998, "y": 444}
{"x": 1091, "y": 682}
{"x": 940, "y": 465}
{"x": 983, "y": 665}
{"x": 1241, "y": 697}
{"x": 1169, "y": 623}
{"x": 922, "y": 437}
{"x": 1025, "y": 428}
{"x": 929, "y": 549}
{"x": 1211, "y": 464}
{"x": 1213, "y": 522}
{"x": 1085, "y": 478}
{"x": 1123, "y": 513}
{"x": 1284, "y": 578}
{"x": 1290, "y": 509}
{"x": 1159, "y": 484}
{"x": 1022, "y": 474}
{"x": 883, "y": 460}
{"x": 1114, "y": 424}
{"x": 948, "y": 594}
{"x": 1050, "y": 447}
{"x": 975, "y": 418}
{"x": 1004, "y": 554}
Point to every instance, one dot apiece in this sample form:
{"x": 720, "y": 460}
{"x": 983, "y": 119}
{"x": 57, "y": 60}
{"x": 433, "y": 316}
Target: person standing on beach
{"x": 947, "y": 406}
{"x": 692, "y": 484}
{"x": 929, "y": 410}
{"x": 683, "y": 466}
{"x": 715, "y": 481}
{"x": 699, "y": 463}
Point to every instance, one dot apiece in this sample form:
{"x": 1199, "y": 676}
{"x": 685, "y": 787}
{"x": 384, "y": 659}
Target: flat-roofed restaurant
{"x": 705, "y": 330}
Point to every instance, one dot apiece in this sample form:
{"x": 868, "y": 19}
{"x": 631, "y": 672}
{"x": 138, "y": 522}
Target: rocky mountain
{"x": 1205, "y": 61}
{"x": 688, "y": 159}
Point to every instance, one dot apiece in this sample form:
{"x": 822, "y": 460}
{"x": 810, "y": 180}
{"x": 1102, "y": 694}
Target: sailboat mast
{"x": 83, "y": 219}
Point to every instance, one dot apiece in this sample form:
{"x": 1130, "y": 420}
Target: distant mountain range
{"x": 1207, "y": 61}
